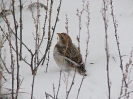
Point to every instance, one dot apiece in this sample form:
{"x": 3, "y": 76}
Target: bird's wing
{"x": 71, "y": 62}
{"x": 71, "y": 54}
{"x": 74, "y": 54}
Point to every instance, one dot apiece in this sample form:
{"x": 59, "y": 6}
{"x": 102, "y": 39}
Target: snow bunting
{"x": 67, "y": 55}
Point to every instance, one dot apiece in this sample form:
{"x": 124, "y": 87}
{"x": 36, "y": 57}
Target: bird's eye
{"x": 62, "y": 38}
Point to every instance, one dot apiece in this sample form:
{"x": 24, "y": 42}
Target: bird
{"x": 67, "y": 56}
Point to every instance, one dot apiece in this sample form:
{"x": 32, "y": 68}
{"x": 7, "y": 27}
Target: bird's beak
{"x": 58, "y": 34}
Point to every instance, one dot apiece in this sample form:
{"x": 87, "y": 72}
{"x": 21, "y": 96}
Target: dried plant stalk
{"x": 105, "y": 19}
{"x": 124, "y": 83}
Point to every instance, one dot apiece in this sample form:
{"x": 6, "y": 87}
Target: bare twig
{"x": 11, "y": 53}
{"x": 79, "y": 14}
{"x": 16, "y": 43}
{"x": 49, "y": 32}
{"x": 48, "y": 46}
{"x": 80, "y": 86}
{"x": 71, "y": 84}
{"x": 86, "y": 9}
{"x": 105, "y": 19}
{"x": 128, "y": 69}
{"x": 66, "y": 80}
{"x": 59, "y": 85}
{"x": 47, "y": 60}
{"x": 4, "y": 64}
{"x": 48, "y": 95}
{"x": 18, "y": 92}
{"x": 0, "y": 83}
{"x": 87, "y": 25}
{"x": 36, "y": 54}
{"x": 44, "y": 27}
{"x": 118, "y": 47}
{"x": 33, "y": 80}
{"x": 54, "y": 90}
{"x": 21, "y": 27}
{"x": 66, "y": 24}
{"x": 19, "y": 54}
{"x": 125, "y": 94}
{"x": 115, "y": 27}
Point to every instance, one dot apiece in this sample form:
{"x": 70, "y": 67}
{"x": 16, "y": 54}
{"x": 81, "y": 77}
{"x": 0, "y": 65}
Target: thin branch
{"x": 48, "y": 60}
{"x": 21, "y": 27}
{"x": 4, "y": 64}
{"x": 87, "y": 25}
{"x": 48, "y": 95}
{"x": 33, "y": 80}
{"x": 80, "y": 86}
{"x": 44, "y": 27}
{"x": 16, "y": 43}
{"x": 49, "y": 33}
{"x": 59, "y": 85}
{"x": 13, "y": 47}
{"x": 66, "y": 24}
{"x": 14, "y": 34}
{"x": 19, "y": 92}
{"x": 79, "y": 14}
{"x": 125, "y": 94}
{"x": 71, "y": 84}
{"x": 118, "y": 47}
{"x": 48, "y": 47}
{"x": 54, "y": 91}
{"x": 104, "y": 14}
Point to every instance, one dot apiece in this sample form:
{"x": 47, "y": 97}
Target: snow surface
{"x": 95, "y": 84}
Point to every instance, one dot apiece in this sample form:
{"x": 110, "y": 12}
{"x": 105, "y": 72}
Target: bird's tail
{"x": 81, "y": 69}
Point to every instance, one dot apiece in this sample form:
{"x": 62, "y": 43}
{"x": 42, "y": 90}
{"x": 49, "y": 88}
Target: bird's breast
{"x": 59, "y": 59}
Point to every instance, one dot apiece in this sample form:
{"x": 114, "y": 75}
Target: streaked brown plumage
{"x": 67, "y": 55}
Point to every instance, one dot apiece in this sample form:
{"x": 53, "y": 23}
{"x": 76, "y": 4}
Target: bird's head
{"x": 64, "y": 39}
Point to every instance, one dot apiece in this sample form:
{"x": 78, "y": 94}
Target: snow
{"x": 95, "y": 84}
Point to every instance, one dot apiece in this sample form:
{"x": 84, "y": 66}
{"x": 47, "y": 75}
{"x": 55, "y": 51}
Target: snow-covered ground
{"x": 95, "y": 84}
